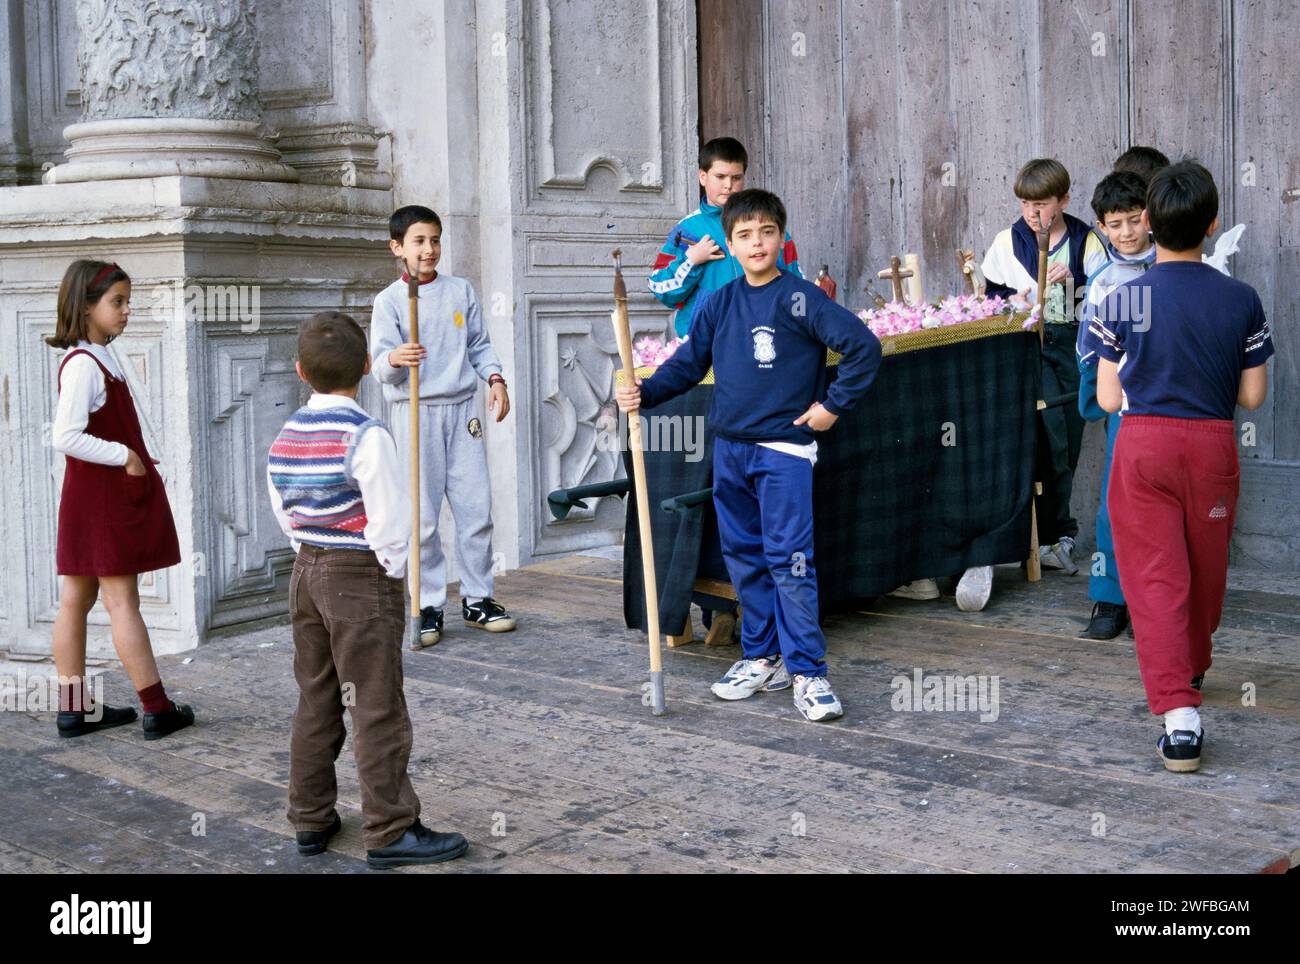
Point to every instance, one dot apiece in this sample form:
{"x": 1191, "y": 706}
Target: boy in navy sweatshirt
{"x": 766, "y": 335}
{"x": 1181, "y": 347}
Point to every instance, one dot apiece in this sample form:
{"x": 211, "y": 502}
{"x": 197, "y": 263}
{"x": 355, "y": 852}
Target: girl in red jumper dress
{"x": 114, "y": 519}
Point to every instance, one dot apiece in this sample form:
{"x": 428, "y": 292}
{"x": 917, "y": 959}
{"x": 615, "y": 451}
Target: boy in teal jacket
{"x": 693, "y": 263}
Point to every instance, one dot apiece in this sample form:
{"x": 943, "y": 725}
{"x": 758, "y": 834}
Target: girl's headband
{"x": 103, "y": 274}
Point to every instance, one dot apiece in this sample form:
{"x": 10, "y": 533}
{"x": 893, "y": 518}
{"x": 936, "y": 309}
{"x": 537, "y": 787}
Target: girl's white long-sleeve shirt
{"x": 81, "y": 392}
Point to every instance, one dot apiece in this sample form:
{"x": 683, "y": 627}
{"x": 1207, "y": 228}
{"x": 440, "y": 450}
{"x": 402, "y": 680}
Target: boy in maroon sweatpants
{"x": 1180, "y": 347}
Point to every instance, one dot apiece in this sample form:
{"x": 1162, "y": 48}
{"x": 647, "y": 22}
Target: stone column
{"x": 171, "y": 174}
{"x": 168, "y": 89}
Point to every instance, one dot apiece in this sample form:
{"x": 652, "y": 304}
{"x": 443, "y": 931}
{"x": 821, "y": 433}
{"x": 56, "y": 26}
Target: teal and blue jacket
{"x": 683, "y": 286}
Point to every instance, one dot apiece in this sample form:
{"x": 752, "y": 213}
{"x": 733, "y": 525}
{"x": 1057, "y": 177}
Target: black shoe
{"x": 78, "y": 724}
{"x": 419, "y": 845}
{"x": 1197, "y": 681}
{"x": 488, "y": 614}
{"x": 1107, "y": 621}
{"x": 313, "y": 842}
{"x": 430, "y": 626}
{"x": 158, "y": 725}
{"x": 1181, "y": 750}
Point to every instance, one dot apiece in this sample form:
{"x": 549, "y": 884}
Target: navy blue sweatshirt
{"x": 767, "y": 346}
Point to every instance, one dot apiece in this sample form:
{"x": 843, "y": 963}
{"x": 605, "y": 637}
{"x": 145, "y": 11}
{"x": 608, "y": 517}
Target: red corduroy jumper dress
{"x": 112, "y": 523}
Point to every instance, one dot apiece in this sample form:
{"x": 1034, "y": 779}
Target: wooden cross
{"x": 966, "y": 264}
{"x": 896, "y": 274}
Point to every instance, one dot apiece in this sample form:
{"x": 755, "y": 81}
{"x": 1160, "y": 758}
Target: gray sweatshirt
{"x": 451, "y": 328}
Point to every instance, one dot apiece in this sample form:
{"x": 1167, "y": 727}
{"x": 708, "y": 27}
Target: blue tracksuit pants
{"x": 763, "y": 500}
{"x": 1103, "y": 581}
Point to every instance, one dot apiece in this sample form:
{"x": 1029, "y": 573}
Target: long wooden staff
{"x": 623, "y": 335}
{"x": 413, "y": 297}
{"x": 1034, "y": 566}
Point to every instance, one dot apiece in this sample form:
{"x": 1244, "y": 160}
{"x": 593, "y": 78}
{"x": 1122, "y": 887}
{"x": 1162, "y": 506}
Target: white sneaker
{"x": 780, "y": 680}
{"x": 918, "y": 589}
{"x": 1059, "y": 556}
{"x": 815, "y": 700}
{"x": 746, "y": 677}
{"x": 974, "y": 589}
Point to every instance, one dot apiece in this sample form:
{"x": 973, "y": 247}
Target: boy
{"x": 1118, "y": 202}
{"x": 453, "y": 462}
{"x": 1011, "y": 267}
{"x": 1142, "y": 161}
{"x": 337, "y": 491}
{"x": 691, "y": 264}
{"x": 766, "y": 334}
{"x": 1180, "y": 348}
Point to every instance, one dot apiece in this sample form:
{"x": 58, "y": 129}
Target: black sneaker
{"x": 1197, "y": 681}
{"x": 313, "y": 842}
{"x": 430, "y": 626}
{"x": 488, "y": 614}
{"x": 1181, "y": 750}
{"x": 419, "y": 845}
{"x": 158, "y": 725}
{"x": 1107, "y": 621}
{"x": 79, "y": 724}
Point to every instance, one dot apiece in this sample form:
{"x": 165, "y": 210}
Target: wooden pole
{"x": 1034, "y": 566}
{"x": 413, "y": 298}
{"x": 623, "y": 335}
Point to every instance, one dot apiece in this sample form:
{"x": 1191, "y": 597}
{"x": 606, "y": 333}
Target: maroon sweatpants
{"x": 1173, "y": 500}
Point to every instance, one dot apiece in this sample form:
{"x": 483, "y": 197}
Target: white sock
{"x": 471, "y": 600}
{"x": 1183, "y": 718}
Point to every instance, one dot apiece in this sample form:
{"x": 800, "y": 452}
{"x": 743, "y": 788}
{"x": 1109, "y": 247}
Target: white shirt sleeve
{"x": 378, "y": 473}
{"x": 81, "y": 391}
{"x": 277, "y": 506}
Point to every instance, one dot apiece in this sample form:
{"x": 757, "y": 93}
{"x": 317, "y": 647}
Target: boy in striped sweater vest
{"x": 337, "y": 491}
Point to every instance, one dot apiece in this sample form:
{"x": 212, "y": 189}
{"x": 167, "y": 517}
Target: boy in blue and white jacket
{"x": 693, "y": 263}
{"x": 1118, "y": 202}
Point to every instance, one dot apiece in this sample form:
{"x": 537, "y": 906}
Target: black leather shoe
{"x": 158, "y": 725}
{"x": 419, "y": 845}
{"x": 77, "y": 724}
{"x": 313, "y": 842}
{"x": 1107, "y": 622}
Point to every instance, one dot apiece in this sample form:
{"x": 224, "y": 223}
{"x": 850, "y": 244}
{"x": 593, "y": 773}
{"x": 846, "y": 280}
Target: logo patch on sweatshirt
{"x": 1220, "y": 510}
{"x": 459, "y": 319}
{"x": 475, "y": 428}
{"x": 764, "y": 348}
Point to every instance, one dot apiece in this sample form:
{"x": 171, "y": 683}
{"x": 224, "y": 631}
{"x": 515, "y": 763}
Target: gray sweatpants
{"x": 453, "y": 463}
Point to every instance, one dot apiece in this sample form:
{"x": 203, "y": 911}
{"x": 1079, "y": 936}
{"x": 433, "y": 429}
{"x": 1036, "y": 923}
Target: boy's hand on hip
{"x": 499, "y": 400}
{"x": 817, "y": 418}
{"x": 705, "y": 249}
{"x": 407, "y": 356}
{"x": 134, "y": 465}
{"x": 629, "y": 397}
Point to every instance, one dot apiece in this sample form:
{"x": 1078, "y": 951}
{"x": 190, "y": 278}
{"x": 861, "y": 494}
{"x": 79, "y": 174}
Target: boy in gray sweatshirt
{"x": 452, "y": 354}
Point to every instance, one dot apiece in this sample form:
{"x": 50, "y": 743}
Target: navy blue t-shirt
{"x": 767, "y": 346}
{"x": 1181, "y": 334}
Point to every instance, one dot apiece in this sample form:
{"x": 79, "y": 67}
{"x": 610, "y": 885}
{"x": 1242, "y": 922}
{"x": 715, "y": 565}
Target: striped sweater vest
{"x": 311, "y": 468}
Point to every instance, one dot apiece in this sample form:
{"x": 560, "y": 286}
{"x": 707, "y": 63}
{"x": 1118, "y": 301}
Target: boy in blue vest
{"x": 338, "y": 492}
{"x": 765, "y": 335}
{"x": 1011, "y": 267}
{"x": 1118, "y": 201}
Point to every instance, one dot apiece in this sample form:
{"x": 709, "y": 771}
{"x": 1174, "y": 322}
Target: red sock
{"x": 154, "y": 698}
{"x": 72, "y": 698}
